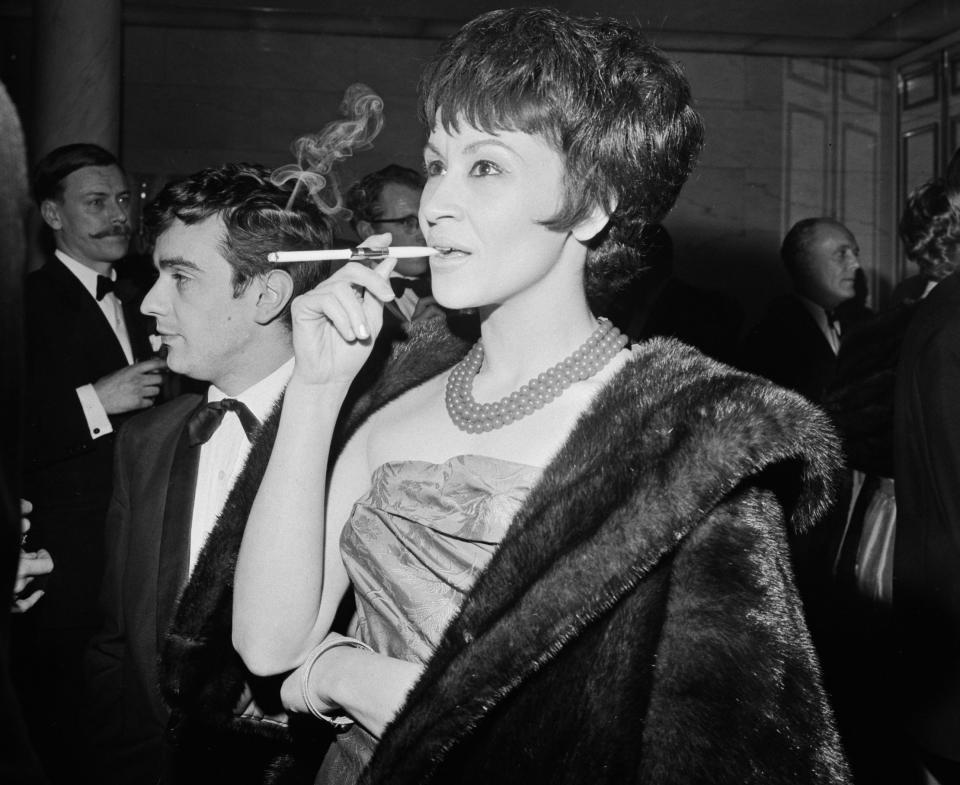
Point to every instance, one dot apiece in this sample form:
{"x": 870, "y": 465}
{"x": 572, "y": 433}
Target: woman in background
{"x": 569, "y": 557}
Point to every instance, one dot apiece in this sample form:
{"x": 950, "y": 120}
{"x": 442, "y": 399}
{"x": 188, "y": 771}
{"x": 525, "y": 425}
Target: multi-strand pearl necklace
{"x": 468, "y": 415}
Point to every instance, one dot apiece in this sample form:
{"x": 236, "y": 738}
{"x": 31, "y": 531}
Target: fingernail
{"x": 362, "y": 332}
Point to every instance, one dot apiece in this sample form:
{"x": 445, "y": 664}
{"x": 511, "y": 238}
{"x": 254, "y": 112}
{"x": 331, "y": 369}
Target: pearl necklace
{"x": 468, "y": 415}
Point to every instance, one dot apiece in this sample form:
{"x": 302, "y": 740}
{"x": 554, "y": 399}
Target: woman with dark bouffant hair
{"x": 569, "y": 556}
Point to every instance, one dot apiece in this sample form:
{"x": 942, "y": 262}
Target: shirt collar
{"x": 84, "y": 274}
{"x": 260, "y": 397}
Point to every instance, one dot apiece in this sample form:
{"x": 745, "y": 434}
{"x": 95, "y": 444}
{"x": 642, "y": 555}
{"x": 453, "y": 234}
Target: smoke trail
{"x": 316, "y": 154}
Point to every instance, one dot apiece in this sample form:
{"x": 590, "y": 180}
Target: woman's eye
{"x": 484, "y": 169}
{"x": 432, "y": 168}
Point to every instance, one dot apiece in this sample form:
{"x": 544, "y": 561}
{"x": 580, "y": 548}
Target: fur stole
{"x": 649, "y": 563}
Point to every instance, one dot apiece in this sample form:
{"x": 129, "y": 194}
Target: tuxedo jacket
{"x": 788, "y": 347}
{"x": 147, "y": 562}
{"x": 67, "y": 474}
{"x": 926, "y": 591}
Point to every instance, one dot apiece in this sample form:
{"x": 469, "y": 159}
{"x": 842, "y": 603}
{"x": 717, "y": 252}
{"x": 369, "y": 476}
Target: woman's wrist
{"x": 319, "y": 678}
{"x": 322, "y": 390}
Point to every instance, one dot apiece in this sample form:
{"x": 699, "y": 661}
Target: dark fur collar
{"x": 665, "y": 442}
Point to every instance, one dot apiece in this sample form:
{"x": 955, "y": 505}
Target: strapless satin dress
{"x": 413, "y": 547}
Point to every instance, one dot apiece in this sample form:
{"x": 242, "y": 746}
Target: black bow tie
{"x": 420, "y": 286}
{"x": 207, "y": 418}
{"x": 104, "y": 285}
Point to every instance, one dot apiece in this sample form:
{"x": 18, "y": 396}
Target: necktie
{"x": 833, "y": 325}
{"x": 207, "y": 418}
{"x": 420, "y": 286}
{"x": 104, "y": 285}
{"x": 833, "y": 322}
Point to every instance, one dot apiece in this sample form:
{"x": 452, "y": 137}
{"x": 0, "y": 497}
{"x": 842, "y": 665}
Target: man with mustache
{"x": 88, "y": 367}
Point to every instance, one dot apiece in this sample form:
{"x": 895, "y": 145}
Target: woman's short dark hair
{"x": 614, "y": 106}
{"x": 930, "y": 229}
{"x": 258, "y": 220}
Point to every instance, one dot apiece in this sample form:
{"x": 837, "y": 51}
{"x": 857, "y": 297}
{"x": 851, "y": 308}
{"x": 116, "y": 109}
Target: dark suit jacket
{"x": 148, "y": 552}
{"x": 927, "y": 552}
{"x": 67, "y": 474}
{"x": 788, "y": 348}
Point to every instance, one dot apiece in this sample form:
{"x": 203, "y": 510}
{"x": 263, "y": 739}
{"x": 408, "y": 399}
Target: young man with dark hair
{"x": 223, "y": 313}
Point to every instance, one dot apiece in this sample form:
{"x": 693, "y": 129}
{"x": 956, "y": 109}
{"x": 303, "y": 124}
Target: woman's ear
{"x": 592, "y": 225}
{"x": 276, "y": 289}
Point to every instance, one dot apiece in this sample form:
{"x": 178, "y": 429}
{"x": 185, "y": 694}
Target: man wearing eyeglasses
{"x": 388, "y": 200}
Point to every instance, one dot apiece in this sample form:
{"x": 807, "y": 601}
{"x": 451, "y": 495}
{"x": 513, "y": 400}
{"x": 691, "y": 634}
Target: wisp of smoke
{"x": 316, "y": 154}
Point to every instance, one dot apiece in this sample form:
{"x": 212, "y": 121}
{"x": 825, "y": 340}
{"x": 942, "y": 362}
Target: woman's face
{"x": 484, "y": 197}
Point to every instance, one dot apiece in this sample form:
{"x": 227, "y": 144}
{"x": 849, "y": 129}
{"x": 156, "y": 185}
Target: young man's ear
{"x": 276, "y": 290}
{"x": 592, "y": 225}
{"x": 51, "y": 214}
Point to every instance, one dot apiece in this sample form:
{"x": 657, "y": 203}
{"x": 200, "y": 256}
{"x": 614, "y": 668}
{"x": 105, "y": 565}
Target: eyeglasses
{"x": 410, "y": 222}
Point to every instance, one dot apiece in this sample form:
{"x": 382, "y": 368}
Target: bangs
{"x": 512, "y": 107}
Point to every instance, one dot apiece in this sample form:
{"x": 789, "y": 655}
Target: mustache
{"x": 119, "y": 231}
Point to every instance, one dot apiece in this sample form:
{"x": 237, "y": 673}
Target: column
{"x": 78, "y": 61}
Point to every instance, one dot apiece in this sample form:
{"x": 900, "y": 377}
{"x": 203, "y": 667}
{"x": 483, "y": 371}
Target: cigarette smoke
{"x": 317, "y": 154}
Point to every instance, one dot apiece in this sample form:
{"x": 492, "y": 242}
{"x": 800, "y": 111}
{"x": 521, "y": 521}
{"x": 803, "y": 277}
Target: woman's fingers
{"x": 343, "y": 300}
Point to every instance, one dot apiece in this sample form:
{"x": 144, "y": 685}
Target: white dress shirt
{"x": 98, "y": 422}
{"x": 223, "y": 456}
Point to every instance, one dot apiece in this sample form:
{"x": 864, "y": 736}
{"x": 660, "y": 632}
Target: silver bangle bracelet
{"x": 340, "y": 720}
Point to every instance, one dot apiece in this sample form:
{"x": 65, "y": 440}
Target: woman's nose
{"x": 440, "y": 199}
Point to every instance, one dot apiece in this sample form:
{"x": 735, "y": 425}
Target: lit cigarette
{"x": 354, "y": 254}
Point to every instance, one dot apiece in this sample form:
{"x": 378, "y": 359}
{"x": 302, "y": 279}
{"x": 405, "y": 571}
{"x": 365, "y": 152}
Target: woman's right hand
{"x": 335, "y": 324}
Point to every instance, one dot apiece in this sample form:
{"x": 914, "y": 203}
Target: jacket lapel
{"x": 175, "y": 539}
{"x": 97, "y": 329}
